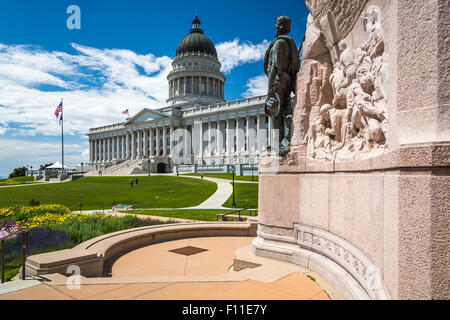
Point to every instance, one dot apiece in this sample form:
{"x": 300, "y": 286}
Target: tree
{"x": 18, "y": 172}
{"x": 43, "y": 166}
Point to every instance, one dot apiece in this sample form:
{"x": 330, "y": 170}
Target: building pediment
{"x": 147, "y": 115}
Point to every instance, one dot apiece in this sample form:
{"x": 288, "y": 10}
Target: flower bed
{"x": 55, "y": 227}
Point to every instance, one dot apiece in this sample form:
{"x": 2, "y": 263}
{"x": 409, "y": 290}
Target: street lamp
{"x": 82, "y": 164}
{"x": 232, "y": 170}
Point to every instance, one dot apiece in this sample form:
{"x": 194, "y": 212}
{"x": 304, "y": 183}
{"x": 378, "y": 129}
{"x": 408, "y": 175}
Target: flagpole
{"x": 62, "y": 137}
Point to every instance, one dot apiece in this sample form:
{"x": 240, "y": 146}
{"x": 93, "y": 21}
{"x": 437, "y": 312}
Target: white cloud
{"x": 234, "y": 53}
{"x": 256, "y": 86}
{"x": 19, "y": 153}
{"x": 96, "y": 85}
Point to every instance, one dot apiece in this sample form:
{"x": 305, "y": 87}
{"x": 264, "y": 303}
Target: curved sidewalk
{"x": 223, "y": 192}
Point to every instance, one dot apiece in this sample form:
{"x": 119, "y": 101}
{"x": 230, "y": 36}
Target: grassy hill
{"x": 151, "y": 192}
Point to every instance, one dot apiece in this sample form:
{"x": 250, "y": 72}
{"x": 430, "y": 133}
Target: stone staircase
{"x": 126, "y": 168}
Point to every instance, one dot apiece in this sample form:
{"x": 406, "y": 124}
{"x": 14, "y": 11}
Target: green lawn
{"x": 152, "y": 192}
{"x": 15, "y": 180}
{"x": 190, "y": 214}
{"x": 228, "y": 176}
{"x": 246, "y": 196}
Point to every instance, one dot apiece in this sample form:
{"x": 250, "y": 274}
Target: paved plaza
{"x": 156, "y": 272}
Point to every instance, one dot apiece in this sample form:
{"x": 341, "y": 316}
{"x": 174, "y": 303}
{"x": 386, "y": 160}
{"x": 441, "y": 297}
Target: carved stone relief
{"x": 354, "y": 124}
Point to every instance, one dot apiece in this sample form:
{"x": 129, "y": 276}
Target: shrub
{"x": 82, "y": 227}
{"x": 18, "y": 172}
{"x": 34, "y": 203}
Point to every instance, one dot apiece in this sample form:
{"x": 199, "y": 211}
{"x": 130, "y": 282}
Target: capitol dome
{"x": 196, "y": 41}
{"x": 196, "y": 75}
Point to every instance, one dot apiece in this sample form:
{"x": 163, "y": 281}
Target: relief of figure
{"x": 326, "y": 132}
{"x": 339, "y": 84}
{"x": 374, "y": 46}
{"x": 347, "y": 61}
{"x": 281, "y": 65}
{"x": 364, "y": 115}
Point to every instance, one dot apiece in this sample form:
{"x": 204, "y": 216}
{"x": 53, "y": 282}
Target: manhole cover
{"x": 188, "y": 251}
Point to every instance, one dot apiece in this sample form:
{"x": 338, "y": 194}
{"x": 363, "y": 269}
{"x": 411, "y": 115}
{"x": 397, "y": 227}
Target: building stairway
{"x": 125, "y": 168}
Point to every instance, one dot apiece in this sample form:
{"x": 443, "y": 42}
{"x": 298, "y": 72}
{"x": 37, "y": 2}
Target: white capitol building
{"x": 196, "y": 129}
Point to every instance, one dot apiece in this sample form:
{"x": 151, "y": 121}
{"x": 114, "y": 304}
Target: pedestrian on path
{"x": 131, "y": 182}
{"x": 136, "y": 183}
{"x": 202, "y": 175}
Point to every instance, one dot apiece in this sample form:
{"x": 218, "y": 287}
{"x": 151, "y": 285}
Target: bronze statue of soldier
{"x": 281, "y": 65}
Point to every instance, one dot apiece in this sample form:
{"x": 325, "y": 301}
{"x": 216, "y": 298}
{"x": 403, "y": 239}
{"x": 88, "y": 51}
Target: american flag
{"x": 58, "y": 110}
{"x": 125, "y": 111}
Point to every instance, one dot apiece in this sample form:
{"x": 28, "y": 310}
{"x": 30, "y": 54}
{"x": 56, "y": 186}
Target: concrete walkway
{"x": 33, "y": 184}
{"x": 157, "y": 272}
{"x": 223, "y": 192}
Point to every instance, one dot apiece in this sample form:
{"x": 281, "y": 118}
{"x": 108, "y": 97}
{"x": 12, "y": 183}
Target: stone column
{"x": 118, "y": 153}
{"x": 271, "y": 139}
{"x": 247, "y": 134}
{"x": 138, "y": 143}
{"x": 186, "y": 139}
{"x": 237, "y": 133}
{"x": 133, "y": 144}
{"x": 122, "y": 138}
{"x": 150, "y": 145}
{"x": 228, "y": 135}
{"x": 171, "y": 139}
{"x": 208, "y": 146}
{"x": 164, "y": 141}
{"x": 219, "y": 138}
{"x": 102, "y": 150}
{"x": 157, "y": 140}
{"x": 127, "y": 145}
{"x": 258, "y": 133}
{"x": 94, "y": 151}
{"x": 145, "y": 146}
{"x": 113, "y": 148}
{"x": 201, "y": 139}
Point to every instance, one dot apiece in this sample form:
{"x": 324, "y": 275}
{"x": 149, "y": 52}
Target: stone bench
{"x": 91, "y": 256}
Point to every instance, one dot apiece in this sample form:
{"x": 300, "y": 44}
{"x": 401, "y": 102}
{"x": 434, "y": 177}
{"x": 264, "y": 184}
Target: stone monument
{"x": 361, "y": 196}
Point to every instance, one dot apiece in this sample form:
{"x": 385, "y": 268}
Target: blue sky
{"x": 119, "y": 59}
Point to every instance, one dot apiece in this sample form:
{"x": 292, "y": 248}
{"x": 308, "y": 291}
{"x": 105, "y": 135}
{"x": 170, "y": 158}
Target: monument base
{"x": 375, "y": 228}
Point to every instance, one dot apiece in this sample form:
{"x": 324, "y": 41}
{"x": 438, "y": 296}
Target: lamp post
{"x": 82, "y": 164}
{"x": 232, "y": 170}
{"x": 251, "y": 166}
